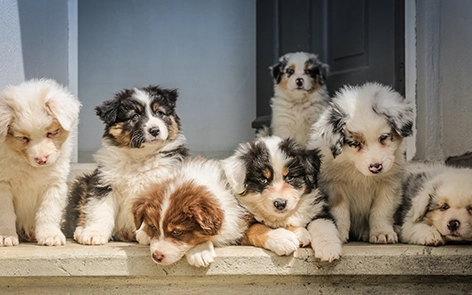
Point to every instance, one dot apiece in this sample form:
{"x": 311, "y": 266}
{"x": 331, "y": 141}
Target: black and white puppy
{"x": 142, "y": 143}
{"x": 360, "y": 136}
{"x": 437, "y": 205}
{"x": 300, "y": 95}
{"x": 276, "y": 181}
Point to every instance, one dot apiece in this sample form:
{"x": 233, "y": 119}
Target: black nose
{"x": 154, "y": 131}
{"x": 375, "y": 168}
{"x": 157, "y": 256}
{"x": 453, "y": 225}
{"x": 280, "y": 204}
{"x": 299, "y": 82}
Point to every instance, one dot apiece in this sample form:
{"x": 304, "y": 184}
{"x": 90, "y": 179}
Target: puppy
{"x": 437, "y": 206}
{"x": 36, "y": 119}
{"x": 188, "y": 214}
{"x": 360, "y": 136}
{"x": 142, "y": 143}
{"x": 276, "y": 180}
{"x": 300, "y": 95}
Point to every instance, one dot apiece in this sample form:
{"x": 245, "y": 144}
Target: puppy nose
{"x": 453, "y": 225}
{"x": 299, "y": 82}
{"x": 375, "y": 168}
{"x": 158, "y": 256}
{"x": 41, "y": 160}
{"x": 280, "y": 204}
{"x": 154, "y": 131}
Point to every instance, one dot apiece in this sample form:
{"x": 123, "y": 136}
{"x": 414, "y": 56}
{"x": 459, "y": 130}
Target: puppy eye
{"x": 354, "y": 144}
{"x": 153, "y": 228}
{"x": 264, "y": 181}
{"x": 470, "y": 209}
{"x": 290, "y": 71}
{"x": 288, "y": 178}
{"x": 160, "y": 113}
{"x": 444, "y": 207}
{"x": 383, "y": 138}
{"x": 25, "y": 139}
{"x": 175, "y": 233}
{"x": 52, "y": 134}
{"x": 308, "y": 72}
{"x": 135, "y": 117}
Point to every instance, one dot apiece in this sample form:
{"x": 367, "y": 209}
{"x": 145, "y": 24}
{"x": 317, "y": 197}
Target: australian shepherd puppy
{"x": 188, "y": 214}
{"x": 360, "y": 136}
{"x": 299, "y": 95}
{"x": 36, "y": 120}
{"x": 276, "y": 180}
{"x": 437, "y": 206}
{"x": 142, "y": 143}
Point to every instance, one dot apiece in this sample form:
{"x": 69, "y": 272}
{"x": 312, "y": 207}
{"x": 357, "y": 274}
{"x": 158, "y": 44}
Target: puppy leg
{"x": 49, "y": 215}
{"x": 325, "y": 239}
{"x": 8, "y": 235}
{"x": 342, "y": 216}
{"x": 302, "y": 234}
{"x": 280, "y": 241}
{"x": 381, "y": 217}
{"x": 201, "y": 255}
{"x": 421, "y": 233}
{"x": 99, "y": 222}
{"x": 142, "y": 237}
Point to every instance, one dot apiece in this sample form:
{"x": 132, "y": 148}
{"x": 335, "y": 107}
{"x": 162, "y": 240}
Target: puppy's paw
{"x": 201, "y": 255}
{"x": 384, "y": 237}
{"x": 9, "y": 240}
{"x": 91, "y": 237}
{"x": 433, "y": 238}
{"x": 53, "y": 238}
{"x": 142, "y": 237}
{"x": 282, "y": 241}
{"x": 328, "y": 250}
{"x": 303, "y": 236}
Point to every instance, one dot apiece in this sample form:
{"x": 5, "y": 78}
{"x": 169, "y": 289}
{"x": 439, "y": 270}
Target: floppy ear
{"x": 108, "y": 110}
{"x": 139, "y": 209}
{"x": 207, "y": 214}
{"x": 64, "y": 106}
{"x": 312, "y": 164}
{"x": 172, "y": 94}
{"x": 277, "y": 70}
{"x": 319, "y": 72}
{"x": 419, "y": 206}
{"x": 6, "y": 115}
{"x": 330, "y": 127}
{"x": 235, "y": 171}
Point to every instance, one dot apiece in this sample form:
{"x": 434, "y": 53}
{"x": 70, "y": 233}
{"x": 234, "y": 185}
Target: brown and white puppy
{"x": 360, "y": 136}
{"x": 276, "y": 180}
{"x": 36, "y": 119}
{"x": 437, "y": 205}
{"x": 188, "y": 214}
{"x": 300, "y": 95}
{"x": 142, "y": 143}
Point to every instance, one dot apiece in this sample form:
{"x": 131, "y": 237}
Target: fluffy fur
{"x": 188, "y": 214}
{"x": 36, "y": 119}
{"x": 142, "y": 143}
{"x": 276, "y": 180}
{"x": 437, "y": 206}
{"x": 360, "y": 136}
{"x": 299, "y": 95}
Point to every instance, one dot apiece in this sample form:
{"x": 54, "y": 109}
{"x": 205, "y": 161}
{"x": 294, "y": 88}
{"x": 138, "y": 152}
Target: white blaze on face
{"x": 155, "y": 129}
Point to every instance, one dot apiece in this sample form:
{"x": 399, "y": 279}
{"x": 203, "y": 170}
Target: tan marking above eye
{"x": 267, "y": 174}
{"x": 155, "y": 107}
{"x": 285, "y": 171}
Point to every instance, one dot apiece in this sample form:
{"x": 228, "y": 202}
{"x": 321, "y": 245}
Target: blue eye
{"x": 135, "y": 117}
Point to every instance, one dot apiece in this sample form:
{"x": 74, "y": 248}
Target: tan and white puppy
{"x": 437, "y": 206}
{"x": 36, "y": 119}
{"x": 360, "y": 136}
{"x": 276, "y": 181}
{"x": 188, "y": 214}
{"x": 300, "y": 95}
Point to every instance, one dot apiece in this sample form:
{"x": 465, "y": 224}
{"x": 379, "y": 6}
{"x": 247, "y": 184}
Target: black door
{"x": 361, "y": 40}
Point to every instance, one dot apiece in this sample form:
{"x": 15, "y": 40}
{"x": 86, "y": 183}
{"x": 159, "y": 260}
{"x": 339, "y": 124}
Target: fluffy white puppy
{"x": 36, "y": 118}
{"x": 299, "y": 95}
{"x": 437, "y": 206}
{"x": 360, "y": 136}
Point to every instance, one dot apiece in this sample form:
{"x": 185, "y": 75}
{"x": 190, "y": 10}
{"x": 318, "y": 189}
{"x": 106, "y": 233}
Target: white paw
{"x": 91, "y": 237}
{"x": 142, "y": 237}
{"x": 9, "y": 240}
{"x": 303, "y": 236}
{"x": 328, "y": 251}
{"x": 282, "y": 241}
{"x": 434, "y": 238}
{"x": 383, "y": 237}
{"x": 52, "y": 238}
{"x": 201, "y": 255}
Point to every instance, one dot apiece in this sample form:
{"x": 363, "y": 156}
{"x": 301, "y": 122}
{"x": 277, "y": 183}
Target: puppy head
{"x": 366, "y": 125}
{"x": 448, "y": 205}
{"x": 270, "y": 175}
{"x": 177, "y": 216}
{"x": 299, "y": 74}
{"x": 36, "y": 118}
{"x": 138, "y": 118}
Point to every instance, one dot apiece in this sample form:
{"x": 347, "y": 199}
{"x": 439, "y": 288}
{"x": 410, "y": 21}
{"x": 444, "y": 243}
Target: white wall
{"x": 204, "y": 48}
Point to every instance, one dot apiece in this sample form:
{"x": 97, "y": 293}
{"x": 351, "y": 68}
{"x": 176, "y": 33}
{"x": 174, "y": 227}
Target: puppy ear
{"x": 207, "y": 214}
{"x": 108, "y": 110}
{"x": 6, "y": 114}
{"x": 419, "y": 206}
{"x": 277, "y": 70}
{"x": 330, "y": 127}
{"x": 235, "y": 170}
{"x": 63, "y": 105}
{"x": 313, "y": 164}
{"x": 139, "y": 209}
{"x": 319, "y": 71}
{"x": 172, "y": 94}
